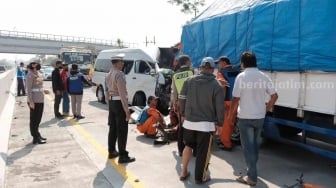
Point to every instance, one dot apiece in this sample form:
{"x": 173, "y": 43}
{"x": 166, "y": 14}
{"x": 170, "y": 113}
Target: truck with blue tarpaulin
{"x": 295, "y": 42}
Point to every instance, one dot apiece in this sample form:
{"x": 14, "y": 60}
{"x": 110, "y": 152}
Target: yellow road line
{"x": 114, "y": 163}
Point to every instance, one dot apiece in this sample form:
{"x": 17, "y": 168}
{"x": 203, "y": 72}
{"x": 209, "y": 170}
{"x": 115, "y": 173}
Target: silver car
{"x": 47, "y": 73}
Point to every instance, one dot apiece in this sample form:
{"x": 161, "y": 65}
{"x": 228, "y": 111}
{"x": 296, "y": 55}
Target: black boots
{"x": 39, "y": 140}
{"x": 113, "y": 154}
{"x": 126, "y": 159}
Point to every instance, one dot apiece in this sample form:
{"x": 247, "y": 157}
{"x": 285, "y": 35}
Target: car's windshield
{"x": 76, "y": 57}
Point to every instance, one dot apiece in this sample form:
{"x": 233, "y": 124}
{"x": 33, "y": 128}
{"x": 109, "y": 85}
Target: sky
{"x": 128, "y": 20}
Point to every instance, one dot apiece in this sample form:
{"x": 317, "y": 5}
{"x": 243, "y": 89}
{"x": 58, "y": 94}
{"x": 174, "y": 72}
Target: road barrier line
{"x": 127, "y": 175}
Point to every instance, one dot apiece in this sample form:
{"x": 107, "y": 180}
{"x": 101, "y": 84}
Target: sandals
{"x": 182, "y": 178}
{"x": 246, "y": 181}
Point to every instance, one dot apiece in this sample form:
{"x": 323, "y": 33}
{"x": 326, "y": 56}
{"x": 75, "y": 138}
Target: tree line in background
{"x": 188, "y": 6}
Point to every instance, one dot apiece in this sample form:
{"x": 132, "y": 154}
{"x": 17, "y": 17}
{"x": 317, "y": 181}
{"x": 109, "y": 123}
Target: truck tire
{"x": 100, "y": 95}
{"x": 139, "y": 100}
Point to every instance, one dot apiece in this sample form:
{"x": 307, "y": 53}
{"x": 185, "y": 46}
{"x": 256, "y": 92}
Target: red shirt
{"x": 64, "y": 76}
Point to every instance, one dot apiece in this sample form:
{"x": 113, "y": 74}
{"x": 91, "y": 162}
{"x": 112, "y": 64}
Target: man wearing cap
{"x": 57, "y": 86}
{"x": 201, "y": 106}
{"x": 35, "y": 98}
{"x": 177, "y": 82}
{"x": 154, "y": 117}
{"x": 226, "y": 75}
{"x": 119, "y": 113}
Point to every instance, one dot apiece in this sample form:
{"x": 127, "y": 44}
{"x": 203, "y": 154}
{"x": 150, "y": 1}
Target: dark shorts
{"x": 190, "y": 137}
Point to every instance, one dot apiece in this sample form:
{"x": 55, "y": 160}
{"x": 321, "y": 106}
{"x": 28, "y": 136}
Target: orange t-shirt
{"x": 148, "y": 126}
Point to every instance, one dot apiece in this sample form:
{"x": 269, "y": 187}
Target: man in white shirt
{"x": 249, "y": 96}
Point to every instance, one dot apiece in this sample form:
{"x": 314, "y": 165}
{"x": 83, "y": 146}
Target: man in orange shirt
{"x": 226, "y": 74}
{"x": 154, "y": 117}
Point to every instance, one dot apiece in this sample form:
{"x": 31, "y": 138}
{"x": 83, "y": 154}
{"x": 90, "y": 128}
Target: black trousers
{"x": 20, "y": 87}
{"x": 35, "y": 119}
{"x": 57, "y": 102}
{"x": 203, "y": 142}
{"x": 118, "y": 128}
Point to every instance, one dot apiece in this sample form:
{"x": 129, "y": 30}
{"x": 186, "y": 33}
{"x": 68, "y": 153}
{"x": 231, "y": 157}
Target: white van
{"x": 140, "y": 71}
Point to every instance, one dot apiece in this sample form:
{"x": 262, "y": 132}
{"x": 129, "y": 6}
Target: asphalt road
{"x": 159, "y": 165}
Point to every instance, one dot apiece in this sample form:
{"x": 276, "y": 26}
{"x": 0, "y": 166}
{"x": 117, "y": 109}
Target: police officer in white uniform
{"x": 118, "y": 111}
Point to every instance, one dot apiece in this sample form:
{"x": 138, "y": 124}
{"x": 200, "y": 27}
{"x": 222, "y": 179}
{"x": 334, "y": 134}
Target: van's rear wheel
{"x": 100, "y": 95}
{"x": 139, "y": 100}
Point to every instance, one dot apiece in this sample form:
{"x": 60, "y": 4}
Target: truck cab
{"x": 77, "y": 55}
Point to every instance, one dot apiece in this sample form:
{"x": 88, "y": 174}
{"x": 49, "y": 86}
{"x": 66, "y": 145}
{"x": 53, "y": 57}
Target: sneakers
{"x": 126, "y": 159}
{"x": 78, "y": 117}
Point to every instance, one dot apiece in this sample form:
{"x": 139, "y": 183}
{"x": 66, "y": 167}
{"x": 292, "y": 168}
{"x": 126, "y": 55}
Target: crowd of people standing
{"x": 205, "y": 104}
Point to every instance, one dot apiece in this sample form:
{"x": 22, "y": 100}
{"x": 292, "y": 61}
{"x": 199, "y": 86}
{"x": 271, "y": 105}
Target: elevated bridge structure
{"x": 50, "y": 44}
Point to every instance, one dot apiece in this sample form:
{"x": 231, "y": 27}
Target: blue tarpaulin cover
{"x": 285, "y": 35}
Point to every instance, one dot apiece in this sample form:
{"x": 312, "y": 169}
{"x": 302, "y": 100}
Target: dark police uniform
{"x": 34, "y": 84}
{"x": 118, "y": 106}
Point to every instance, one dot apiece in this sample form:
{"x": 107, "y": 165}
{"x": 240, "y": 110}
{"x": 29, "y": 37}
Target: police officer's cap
{"x": 118, "y": 57}
{"x": 35, "y": 60}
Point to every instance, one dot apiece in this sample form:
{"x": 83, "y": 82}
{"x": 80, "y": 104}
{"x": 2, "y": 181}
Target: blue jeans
{"x": 250, "y": 137}
{"x": 65, "y": 102}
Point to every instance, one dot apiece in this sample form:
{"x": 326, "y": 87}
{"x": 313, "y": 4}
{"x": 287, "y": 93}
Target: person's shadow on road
{"x": 10, "y": 159}
{"x": 108, "y": 177}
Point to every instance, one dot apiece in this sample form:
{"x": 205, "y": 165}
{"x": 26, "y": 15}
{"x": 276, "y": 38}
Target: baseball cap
{"x": 208, "y": 62}
{"x": 150, "y": 98}
{"x": 223, "y": 58}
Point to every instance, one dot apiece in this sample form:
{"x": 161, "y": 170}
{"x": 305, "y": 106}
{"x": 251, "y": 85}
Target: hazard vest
{"x": 75, "y": 83}
{"x": 180, "y": 77}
